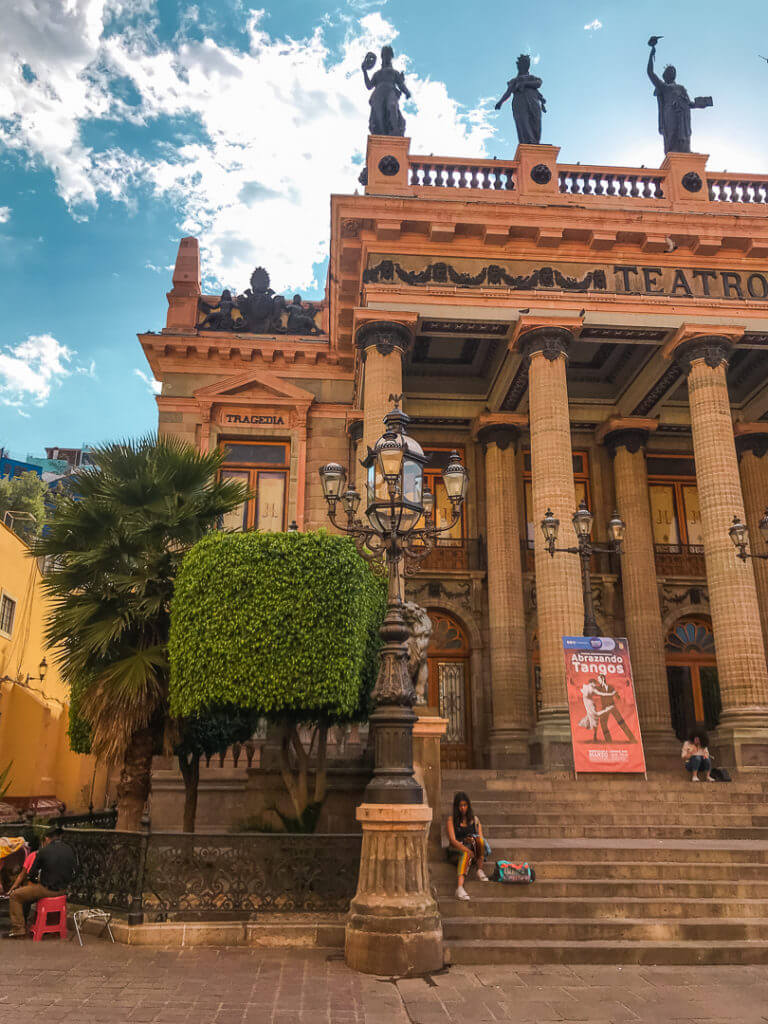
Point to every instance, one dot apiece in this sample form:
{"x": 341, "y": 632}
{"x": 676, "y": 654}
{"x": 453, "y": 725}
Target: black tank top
{"x": 464, "y": 831}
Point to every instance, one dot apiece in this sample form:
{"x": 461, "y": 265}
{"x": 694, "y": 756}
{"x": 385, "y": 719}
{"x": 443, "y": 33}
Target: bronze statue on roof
{"x": 675, "y": 105}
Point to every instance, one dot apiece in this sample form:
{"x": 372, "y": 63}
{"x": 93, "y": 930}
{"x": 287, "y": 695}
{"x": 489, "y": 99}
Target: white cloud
{"x": 154, "y": 387}
{"x": 29, "y": 370}
{"x": 594, "y": 26}
{"x": 157, "y": 270}
{"x": 280, "y": 125}
{"x": 5, "y": 214}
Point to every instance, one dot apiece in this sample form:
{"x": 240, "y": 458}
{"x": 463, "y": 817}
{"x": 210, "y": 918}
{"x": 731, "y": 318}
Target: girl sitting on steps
{"x": 465, "y": 836}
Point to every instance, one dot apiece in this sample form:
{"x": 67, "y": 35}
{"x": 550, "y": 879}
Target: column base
{"x": 394, "y": 926}
{"x": 508, "y": 747}
{"x": 661, "y": 748}
{"x": 741, "y": 739}
{"x": 550, "y": 745}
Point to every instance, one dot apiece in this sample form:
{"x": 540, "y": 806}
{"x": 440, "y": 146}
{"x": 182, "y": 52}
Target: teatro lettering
{"x": 595, "y": 278}
{"x": 262, "y": 421}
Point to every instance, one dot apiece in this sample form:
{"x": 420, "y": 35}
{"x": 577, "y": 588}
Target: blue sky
{"x": 125, "y": 124}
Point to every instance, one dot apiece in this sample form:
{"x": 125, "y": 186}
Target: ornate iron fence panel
{"x": 108, "y": 866}
{"x": 229, "y": 876}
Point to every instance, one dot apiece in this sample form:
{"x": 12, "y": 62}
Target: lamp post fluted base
{"x": 393, "y": 781}
{"x": 394, "y": 925}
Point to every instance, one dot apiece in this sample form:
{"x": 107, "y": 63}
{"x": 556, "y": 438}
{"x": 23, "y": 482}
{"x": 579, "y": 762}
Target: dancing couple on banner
{"x": 600, "y": 704}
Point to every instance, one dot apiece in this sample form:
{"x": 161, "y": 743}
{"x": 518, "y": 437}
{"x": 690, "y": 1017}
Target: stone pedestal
{"x": 394, "y": 926}
{"x": 428, "y": 731}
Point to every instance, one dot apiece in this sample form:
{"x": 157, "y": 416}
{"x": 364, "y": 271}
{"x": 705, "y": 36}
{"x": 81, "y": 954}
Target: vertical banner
{"x": 605, "y": 730}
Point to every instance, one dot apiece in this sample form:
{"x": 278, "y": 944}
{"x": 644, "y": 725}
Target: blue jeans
{"x": 698, "y": 763}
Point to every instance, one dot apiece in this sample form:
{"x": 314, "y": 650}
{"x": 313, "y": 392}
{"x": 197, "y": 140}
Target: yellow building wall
{"x": 34, "y": 715}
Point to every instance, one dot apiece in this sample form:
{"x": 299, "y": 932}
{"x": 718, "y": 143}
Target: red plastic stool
{"x": 49, "y": 907}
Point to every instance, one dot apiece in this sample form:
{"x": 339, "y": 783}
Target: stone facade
{"x": 586, "y": 333}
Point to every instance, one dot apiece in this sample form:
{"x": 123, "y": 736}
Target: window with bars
{"x": 7, "y": 614}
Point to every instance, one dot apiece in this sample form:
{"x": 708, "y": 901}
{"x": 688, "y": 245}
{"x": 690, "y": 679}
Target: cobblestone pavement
{"x": 116, "y": 984}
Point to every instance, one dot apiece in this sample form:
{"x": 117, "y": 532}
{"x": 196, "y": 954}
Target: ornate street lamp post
{"x": 582, "y": 524}
{"x": 397, "y": 503}
{"x": 739, "y": 536}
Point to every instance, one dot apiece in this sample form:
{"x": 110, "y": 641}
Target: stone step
{"x": 613, "y": 887}
{"x": 569, "y": 929}
{"x": 628, "y": 818}
{"x": 586, "y": 852}
{"x": 480, "y": 951}
{"x": 577, "y": 830}
{"x": 605, "y": 802}
{"x": 529, "y": 903}
{"x": 475, "y": 780}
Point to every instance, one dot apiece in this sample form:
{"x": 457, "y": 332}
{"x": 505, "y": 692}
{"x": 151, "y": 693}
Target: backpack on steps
{"x": 513, "y": 874}
{"x": 721, "y": 775}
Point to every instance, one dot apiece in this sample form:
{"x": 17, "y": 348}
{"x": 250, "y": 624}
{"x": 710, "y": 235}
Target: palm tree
{"x": 115, "y": 546}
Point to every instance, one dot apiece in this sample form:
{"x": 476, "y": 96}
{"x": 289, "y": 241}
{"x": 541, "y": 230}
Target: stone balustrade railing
{"x": 437, "y": 172}
{"x": 627, "y": 184}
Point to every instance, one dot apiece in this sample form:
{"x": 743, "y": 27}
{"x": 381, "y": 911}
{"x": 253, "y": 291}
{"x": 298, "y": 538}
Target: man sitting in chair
{"x": 52, "y": 871}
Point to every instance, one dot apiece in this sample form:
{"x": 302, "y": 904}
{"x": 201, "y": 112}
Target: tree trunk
{"x": 321, "y": 769}
{"x": 135, "y": 780}
{"x": 190, "y": 772}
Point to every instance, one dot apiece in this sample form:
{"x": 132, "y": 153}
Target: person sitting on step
{"x": 696, "y": 757}
{"x": 466, "y": 842}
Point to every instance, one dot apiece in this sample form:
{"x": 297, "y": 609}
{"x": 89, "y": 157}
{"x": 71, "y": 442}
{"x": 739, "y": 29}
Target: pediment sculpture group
{"x": 258, "y": 311}
{"x": 388, "y": 85}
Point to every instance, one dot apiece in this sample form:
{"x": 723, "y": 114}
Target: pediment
{"x": 260, "y": 388}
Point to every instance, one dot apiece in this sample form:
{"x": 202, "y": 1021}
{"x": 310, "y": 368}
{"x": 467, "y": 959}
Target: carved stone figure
{"x": 527, "y": 102}
{"x": 420, "y": 626}
{"x": 388, "y": 86}
{"x": 219, "y": 317}
{"x": 259, "y": 306}
{"x": 301, "y": 319}
{"x": 674, "y": 105}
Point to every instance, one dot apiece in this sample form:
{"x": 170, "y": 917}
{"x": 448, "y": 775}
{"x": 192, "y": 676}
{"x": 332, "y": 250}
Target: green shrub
{"x": 283, "y": 623}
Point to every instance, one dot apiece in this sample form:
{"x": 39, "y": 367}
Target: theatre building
{"x": 575, "y": 332}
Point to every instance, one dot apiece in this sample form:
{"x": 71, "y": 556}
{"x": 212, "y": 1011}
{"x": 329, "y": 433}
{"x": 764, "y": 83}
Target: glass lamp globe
{"x": 332, "y": 476}
{"x": 616, "y": 528}
{"x": 582, "y": 520}
{"x": 550, "y": 526}
{"x": 738, "y": 533}
{"x": 455, "y": 478}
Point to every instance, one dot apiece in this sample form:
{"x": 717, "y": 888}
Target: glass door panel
{"x": 452, "y": 700}
{"x": 692, "y": 514}
{"x": 236, "y": 519}
{"x": 270, "y": 502}
{"x": 664, "y": 515}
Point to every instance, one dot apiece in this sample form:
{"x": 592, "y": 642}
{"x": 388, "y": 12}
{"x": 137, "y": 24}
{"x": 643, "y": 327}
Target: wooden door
{"x": 449, "y": 688}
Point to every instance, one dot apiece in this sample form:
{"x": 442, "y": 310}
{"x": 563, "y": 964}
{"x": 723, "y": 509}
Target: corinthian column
{"x": 383, "y": 344}
{"x": 752, "y": 449}
{"x": 642, "y": 614}
{"x": 558, "y": 580}
{"x": 506, "y": 610}
{"x": 743, "y": 732}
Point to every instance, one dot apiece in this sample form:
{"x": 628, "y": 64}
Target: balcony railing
{"x": 467, "y": 553}
{"x": 680, "y": 560}
{"x": 583, "y": 181}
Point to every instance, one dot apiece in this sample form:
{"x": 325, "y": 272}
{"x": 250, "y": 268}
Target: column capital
{"x": 354, "y": 425}
{"x": 630, "y": 432}
{"x": 385, "y": 335}
{"x": 501, "y": 429}
{"x": 751, "y": 437}
{"x": 714, "y": 349}
{"x": 552, "y": 342}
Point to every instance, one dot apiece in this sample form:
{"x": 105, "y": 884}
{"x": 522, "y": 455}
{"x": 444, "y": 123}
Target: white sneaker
{"x": 461, "y": 893}
{"x": 481, "y": 876}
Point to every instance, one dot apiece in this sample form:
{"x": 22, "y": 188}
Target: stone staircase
{"x": 627, "y": 871}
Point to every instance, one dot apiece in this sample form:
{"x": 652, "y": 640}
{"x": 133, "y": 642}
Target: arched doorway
{"x": 448, "y": 664}
{"x": 694, "y": 690}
